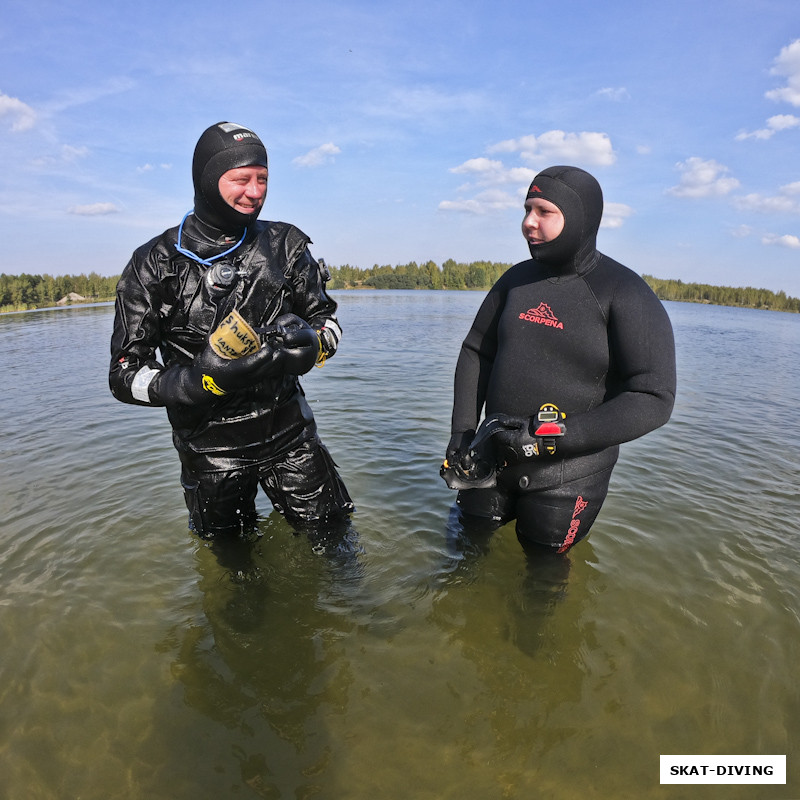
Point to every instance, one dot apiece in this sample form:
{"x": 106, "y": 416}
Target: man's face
{"x": 244, "y": 189}
{"x": 543, "y": 221}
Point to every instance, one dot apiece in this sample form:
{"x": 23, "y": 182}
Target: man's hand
{"x": 210, "y": 376}
{"x": 222, "y": 375}
{"x": 299, "y": 344}
{"x": 457, "y": 452}
{"x": 521, "y": 438}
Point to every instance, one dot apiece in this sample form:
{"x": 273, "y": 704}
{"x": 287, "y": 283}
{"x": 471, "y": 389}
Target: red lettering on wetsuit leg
{"x": 574, "y": 525}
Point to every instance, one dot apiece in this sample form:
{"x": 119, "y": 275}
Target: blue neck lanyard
{"x": 207, "y": 262}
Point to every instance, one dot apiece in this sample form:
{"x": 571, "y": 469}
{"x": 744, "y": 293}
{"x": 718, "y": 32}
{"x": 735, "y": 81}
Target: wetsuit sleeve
{"x": 474, "y": 365}
{"x": 313, "y": 303}
{"x": 642, "y": 395}
{"x": 136, "y": 334}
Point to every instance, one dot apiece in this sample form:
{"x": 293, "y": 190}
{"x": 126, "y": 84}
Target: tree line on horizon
{"x": 746, "y": 297}
{"x": 483, "y": 274}
{"x": 24, "y": 292}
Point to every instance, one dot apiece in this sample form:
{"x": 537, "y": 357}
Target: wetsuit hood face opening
{"x": 223, "y": 147}
{"x": 579, "y": 197}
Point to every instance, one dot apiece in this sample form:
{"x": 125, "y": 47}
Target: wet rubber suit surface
{"x": 237, "y": 422}
{"x": 579, "y": 330}
{"x": 262, "y": 433}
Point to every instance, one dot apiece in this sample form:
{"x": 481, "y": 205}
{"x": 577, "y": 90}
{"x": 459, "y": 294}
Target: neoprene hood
{"x": 580, "y": 199}
{"x": 221, "y": 147}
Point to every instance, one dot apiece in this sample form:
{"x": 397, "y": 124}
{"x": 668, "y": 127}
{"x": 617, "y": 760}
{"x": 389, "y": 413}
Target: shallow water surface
{"x": 139, "y": 663}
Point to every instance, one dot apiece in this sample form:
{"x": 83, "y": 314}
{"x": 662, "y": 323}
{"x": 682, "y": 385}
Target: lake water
{"x": 136, "y": 663}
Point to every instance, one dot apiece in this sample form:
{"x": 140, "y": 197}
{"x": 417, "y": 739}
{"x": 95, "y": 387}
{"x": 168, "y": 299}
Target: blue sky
{"x": 410, "y": 131}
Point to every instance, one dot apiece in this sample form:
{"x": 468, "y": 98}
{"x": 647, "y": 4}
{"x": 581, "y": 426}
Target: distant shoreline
{"x": 27, "y": 292}
{"x": 65, "y": 306}
{"x": 93, "y": 301}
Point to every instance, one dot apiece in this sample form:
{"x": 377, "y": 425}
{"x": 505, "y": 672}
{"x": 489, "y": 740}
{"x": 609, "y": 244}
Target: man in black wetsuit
{"x": 238, "y": 309}
{"x": 569, "y": 355}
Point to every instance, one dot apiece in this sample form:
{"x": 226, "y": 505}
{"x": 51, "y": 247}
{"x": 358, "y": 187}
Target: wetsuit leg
{"x": 486, "y": 504}
{"x": 305, "y": 487}
{"x": 220, "y": 503}
{"x": 558, "y": 518}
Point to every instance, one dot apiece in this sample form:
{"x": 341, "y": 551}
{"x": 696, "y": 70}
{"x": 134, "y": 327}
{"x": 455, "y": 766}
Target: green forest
{"x": 25, "y": 292}
{"x": 482, "y": 274}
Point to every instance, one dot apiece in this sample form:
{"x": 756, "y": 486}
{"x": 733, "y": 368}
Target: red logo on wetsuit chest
{"x": 542, "y": 315}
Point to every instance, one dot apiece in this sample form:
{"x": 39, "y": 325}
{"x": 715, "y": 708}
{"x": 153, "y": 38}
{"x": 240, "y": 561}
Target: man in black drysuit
{"x": 575, "y": 335}
{"x": 237, "y": 421}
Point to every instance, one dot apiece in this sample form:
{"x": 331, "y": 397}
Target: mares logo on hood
{"x": 222, "y": 147}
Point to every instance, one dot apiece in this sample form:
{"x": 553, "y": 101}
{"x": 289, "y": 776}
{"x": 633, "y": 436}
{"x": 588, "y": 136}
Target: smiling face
{"x": 543, "y": 221}
{"x": 244, "y": 189}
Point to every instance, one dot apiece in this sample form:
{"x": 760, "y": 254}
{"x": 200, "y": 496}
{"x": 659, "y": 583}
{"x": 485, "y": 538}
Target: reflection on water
{"x": 263, "y": 661}
{"x": 412, "y": 658}
{"x": 543, "y": 586}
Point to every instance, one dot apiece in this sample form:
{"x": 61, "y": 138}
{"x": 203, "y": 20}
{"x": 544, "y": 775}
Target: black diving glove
{"x": 210, "y": 376}
{"x": 469, "y": 463}
{"x": 458, "y": 449}
{"x": 521, "y": 438}
{"x": 299, "y": 344}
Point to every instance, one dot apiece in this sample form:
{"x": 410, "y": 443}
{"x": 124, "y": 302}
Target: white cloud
{"x": 151, "y": 167}
{"x": 23, "y": 117}
{"x": 318, "y": 156}
{"x": 520, "y": 175}
{"x": 701, "y": 178}
{"x": 484, "y": 202}
{"x": 487, "y": 172}
{"x": 94, "y": 210}
{"x": 66, "y": 154}
{"x": 558, "y": 146}
{"x": 426, "y": 104}
{"x": 615, "y": 214}
{"x": 787, "y": 64}
{"x": 67, "y": 99}
{"x": 763, "y": 204}
{"x": 787, "y": 240}
{"x": 787, "y": 201}
{"x": 553, "y": 147}
{"x": 618, "y": 95}
{"x": 70, "y": 153}
{"x": 478, "y": 165}
{"x": 780, "y": 122}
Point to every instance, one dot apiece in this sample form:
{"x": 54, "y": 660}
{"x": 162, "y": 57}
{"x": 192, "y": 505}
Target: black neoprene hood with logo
{"x": 580, "y": 199}
{"x": 221, "y": 147}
